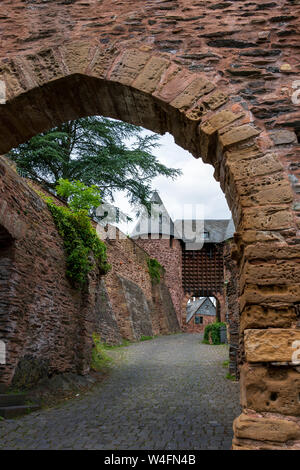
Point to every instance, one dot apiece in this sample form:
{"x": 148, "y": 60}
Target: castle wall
{"x": 192, "y": 327}
{"x": 169, "y": 254}
{"x": 223, "y": 79}
{"x": 232, "y": 309}
{"x": 46, "y": 324}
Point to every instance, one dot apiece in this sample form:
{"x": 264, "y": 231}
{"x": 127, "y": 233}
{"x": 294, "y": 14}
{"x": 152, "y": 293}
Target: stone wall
{"x": 192, "y": 327}
{"x": 46, "y": 324}
{"x": 232, "y": 316}
{"x": 223, "y": 79}
{"x": 169, "y": 254}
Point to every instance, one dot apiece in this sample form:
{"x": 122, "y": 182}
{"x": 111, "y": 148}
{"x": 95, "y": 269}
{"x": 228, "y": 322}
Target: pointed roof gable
{"x": 194, "y": 307}
{"x": 159, "y": 222}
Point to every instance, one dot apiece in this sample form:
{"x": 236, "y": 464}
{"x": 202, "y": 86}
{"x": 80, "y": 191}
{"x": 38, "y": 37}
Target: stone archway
{"x": 136, "y": 85}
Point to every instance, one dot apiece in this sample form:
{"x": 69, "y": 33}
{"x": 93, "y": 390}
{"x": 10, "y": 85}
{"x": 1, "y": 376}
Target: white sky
{"x": 196, "y": 186}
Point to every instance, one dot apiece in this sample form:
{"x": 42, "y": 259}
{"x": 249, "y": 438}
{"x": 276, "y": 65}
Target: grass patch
{"x": 226, "y": 363}
{"x": 15, "y": 391}
{"x": 146, "y": 338}
{"x": 124, "y": 344}
{"x": 100, "y": 359}
{"x": 231, "y": 377}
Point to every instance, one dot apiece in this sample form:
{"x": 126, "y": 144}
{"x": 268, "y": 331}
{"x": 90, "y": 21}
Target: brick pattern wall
{"x": 221, "y": 78}
{"x": 44, "y": 319}
{"x": 193, "y": 327}
{"x": 169, "y": 255}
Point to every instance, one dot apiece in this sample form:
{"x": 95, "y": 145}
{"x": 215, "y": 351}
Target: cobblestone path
{"x": 166, "y": 393}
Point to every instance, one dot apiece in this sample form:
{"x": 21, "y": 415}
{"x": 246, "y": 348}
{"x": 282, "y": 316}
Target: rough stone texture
{"x": 47, "y": 325}
{"x": 60, "y": 59}
{"x": 140, "y": 405}
{"x": 232, "y": 308}
{"x": 169, "y": 254}
{"x": 273, "y": 389}
{"x": 106, "y": 323}
{"x": 267, "y": 431}
{"x": 193, "y": 327}
{"x": 271, "y": 345}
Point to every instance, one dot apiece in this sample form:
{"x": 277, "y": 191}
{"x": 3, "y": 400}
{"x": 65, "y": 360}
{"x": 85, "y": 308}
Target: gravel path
{"x": 166, "y": 393}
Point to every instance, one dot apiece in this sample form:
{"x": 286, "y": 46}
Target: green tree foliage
{"x": 83, "y": 247}
{"x": 110, "y": 154}
{"x": 79, "y": 196}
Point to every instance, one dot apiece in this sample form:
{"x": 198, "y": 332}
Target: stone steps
{"x": 18, "y": 410}
{"x": 13, "y": 405}
{"x": 12, "y": 399}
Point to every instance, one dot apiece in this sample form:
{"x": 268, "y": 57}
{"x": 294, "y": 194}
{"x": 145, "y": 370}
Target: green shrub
{"x": 146, "y": 338}
{"x": 80, "y": 240}
{"x": 79, "y": 196}
{"x": 100, "y": 359}
{"x": 230, "y": 377}
{"x": 213, "y": 331}
{"x": 155, "y": 270}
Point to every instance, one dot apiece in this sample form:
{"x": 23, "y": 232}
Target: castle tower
{"x": 155, "y": 234}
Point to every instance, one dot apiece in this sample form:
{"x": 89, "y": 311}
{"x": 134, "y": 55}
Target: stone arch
{"x": 138, "y": 86}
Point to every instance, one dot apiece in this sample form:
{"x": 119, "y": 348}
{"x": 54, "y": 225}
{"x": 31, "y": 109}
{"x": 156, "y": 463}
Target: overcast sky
{"x": 196, "y": 186}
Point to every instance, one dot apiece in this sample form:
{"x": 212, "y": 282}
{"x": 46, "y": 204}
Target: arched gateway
{"x": 135, "y": 80}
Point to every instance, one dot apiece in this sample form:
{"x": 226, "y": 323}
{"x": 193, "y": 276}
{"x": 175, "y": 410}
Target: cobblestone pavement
{"x": 166, "y": 393}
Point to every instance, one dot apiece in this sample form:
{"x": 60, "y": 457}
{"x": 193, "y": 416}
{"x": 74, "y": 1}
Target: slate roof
{"x": 218, "y": 230}
{"x": 161, "y": 223}
{"x": 193, "y": 307}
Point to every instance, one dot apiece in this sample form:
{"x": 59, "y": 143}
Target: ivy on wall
{"x": 85, "y": 251}
{"x": 80, "y": 241}
{"x": 155, "y": 270}
{"x": 212, "y": 331}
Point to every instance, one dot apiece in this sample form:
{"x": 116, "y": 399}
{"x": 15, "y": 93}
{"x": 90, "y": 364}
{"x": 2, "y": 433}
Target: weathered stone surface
{"x": 261, "y": 316}
{"x": 271, "y": 345}
{"x": 265, "y": 429}
{"x": 267, "y": 218}
{"x": 150, "y": 76}
{"x": 218, "y": 121}
{"x": 272, "y": 389}
{"x": 192, "y": 93}
{"x": 244, "y": 169}
{"x": 238, "y": 134}
{"x": 283, "y": 137}
{"x": 128, "y": 66}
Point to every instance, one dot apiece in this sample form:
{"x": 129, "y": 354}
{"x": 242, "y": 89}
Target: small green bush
{"x": 80, "y": 241}
{"x": 230, "y": 377}
{"x": 100, "y": 359}
{"x": 155, "y": 270}
{"x": 213, "y": 330}
{"x": 146, "y": 338}
{"x": 83, "y": 247}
